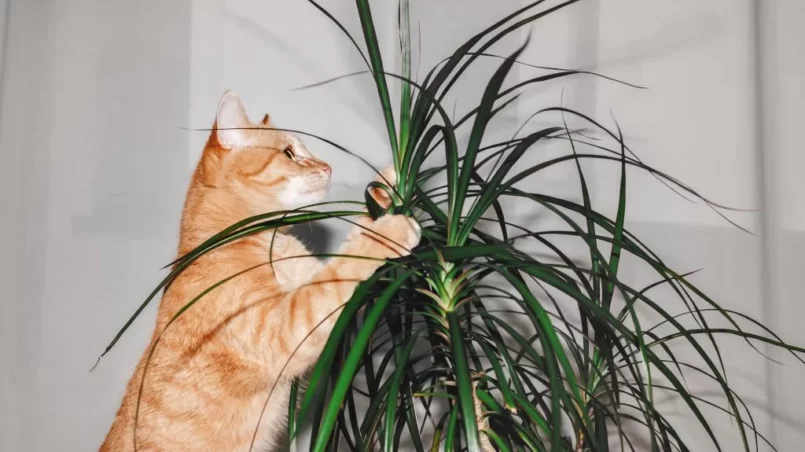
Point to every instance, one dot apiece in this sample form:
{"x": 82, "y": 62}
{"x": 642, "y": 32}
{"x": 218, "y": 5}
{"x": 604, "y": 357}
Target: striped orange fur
{"x": 212, "y": 370}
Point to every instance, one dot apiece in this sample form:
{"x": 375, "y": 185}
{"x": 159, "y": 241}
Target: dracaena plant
{"x": 427, "y": 354}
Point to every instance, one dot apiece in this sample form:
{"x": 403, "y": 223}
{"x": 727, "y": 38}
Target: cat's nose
{"x": 325, "y": 168}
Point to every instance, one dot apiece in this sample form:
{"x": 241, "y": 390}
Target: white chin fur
{"x": 296, "y": 194}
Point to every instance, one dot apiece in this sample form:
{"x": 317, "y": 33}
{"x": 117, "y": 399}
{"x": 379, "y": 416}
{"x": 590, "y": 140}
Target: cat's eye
{"x": 289, "y": 153}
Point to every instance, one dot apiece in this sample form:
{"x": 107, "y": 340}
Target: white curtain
{"x": 96, "y": 97}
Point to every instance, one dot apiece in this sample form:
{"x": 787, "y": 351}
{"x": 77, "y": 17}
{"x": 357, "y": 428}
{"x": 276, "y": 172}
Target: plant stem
{"x": 486, "y": 445}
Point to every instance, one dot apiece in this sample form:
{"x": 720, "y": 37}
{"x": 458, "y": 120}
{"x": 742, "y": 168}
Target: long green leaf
{"x": 459, "y": 193}
{"x": 376, "y": 59}
{"x": 403, "y": 156}
{"x": 394, "y": 390}
{"x": 353, "y": 359}
{"x": 315, "y": 392}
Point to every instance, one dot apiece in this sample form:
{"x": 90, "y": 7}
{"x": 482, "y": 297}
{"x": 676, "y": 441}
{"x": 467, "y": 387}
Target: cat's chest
{"x": 291, "y": 261}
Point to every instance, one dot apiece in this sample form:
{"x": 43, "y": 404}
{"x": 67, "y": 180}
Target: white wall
{"x": 92, "y": 170}
{"x": 94, "y": 161}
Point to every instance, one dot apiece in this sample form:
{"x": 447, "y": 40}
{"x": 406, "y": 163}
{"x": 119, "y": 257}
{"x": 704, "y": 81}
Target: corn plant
{"x": 425, "y": 355}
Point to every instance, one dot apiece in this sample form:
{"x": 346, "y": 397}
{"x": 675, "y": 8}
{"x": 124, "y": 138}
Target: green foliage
{"x": 425, "y": 356}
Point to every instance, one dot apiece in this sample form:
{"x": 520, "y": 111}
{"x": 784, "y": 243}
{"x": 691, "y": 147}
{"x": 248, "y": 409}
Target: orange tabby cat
{"x": 213, "y": 368}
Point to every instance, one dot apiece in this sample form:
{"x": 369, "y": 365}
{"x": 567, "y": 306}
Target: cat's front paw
{"x": 391, "y": 236}
{"x": 387, "y": 177}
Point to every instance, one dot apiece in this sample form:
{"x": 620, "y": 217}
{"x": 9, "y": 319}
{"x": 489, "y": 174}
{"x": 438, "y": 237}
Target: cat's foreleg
{"x": 309, "y": 312}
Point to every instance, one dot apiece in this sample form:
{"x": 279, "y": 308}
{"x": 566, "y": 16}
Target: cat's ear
{"x": 230, "y": 122}
{"x": 266, "y": 122}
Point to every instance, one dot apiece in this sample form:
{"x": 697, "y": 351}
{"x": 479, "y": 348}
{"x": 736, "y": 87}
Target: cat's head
{"x": 267, "y": 169}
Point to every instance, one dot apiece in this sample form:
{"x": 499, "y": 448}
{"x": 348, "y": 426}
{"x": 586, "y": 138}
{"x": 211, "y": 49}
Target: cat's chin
{"x": 306, "y": 199}
{"x": 300, "y": 193}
